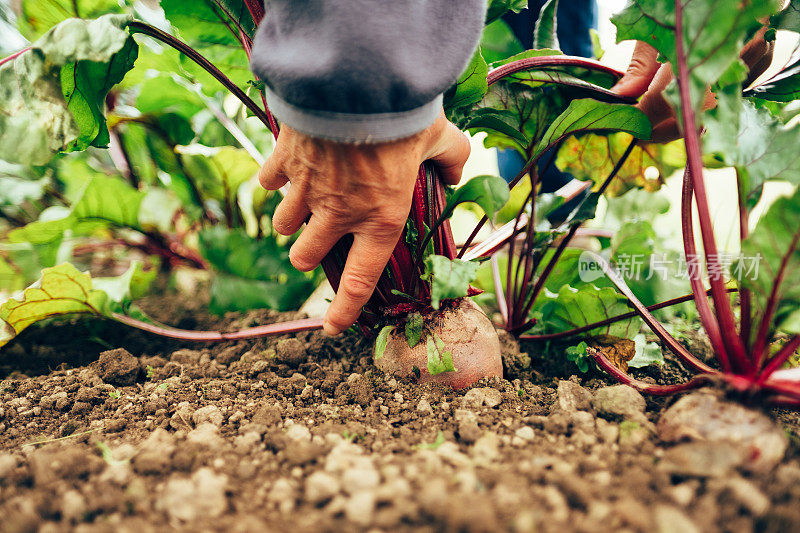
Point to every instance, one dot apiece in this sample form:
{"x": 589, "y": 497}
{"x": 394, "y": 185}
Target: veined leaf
{"x": 498, "y": 8}
{"x": 51, "y": 97}
{"x": 62, "y": 290}
{"x": 544, "y": 33}
{"x": 448, "y": 278}
{"x": 470, "y": 86}
{"x": 593, "y": 157}
{"x": 572, "y": 308}
{"x": 489, "y": 192}
{"x": 714, "y": 33}
{"x": 38, "y": 16}
{"x": 206, "y": 26}
{"x": 770, "y": 263}
{"x": 220, "y": 171}
{"x": 588, "y": 115}
{"x": 750, "y": 139}
{"x": 103, "y": 202}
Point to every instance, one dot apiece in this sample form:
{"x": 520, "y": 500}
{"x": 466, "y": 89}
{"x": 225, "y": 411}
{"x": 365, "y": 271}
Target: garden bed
{"x": 303, "y": 433}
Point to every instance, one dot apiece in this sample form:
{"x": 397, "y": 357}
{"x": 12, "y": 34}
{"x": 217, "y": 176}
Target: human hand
{"x": 362, "y": 189}
{"x": 647, "y": 78}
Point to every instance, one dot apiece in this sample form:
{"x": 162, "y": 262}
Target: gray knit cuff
{"x": 354, "y": 127}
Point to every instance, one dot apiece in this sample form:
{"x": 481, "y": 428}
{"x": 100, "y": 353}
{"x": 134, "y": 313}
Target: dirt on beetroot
{"x": 106, "y": 429}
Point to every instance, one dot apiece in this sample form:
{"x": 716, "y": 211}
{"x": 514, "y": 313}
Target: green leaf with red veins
{"x": 587, "y": 115}
{"x": 470, "y": 86}
{"x": 489, "y": 192}
{"x": 211, "y": 27}
{"x": 750, "y": 139}
{"x": 62, "y": 290}
{"x": 52, "y": 96}
{"x": 572, "y": 308}
{"x": 449, "y": 278}
{"x": 593, "y": 157}
{"x": 714, "y": 33}
{"x": 770, "y": 263}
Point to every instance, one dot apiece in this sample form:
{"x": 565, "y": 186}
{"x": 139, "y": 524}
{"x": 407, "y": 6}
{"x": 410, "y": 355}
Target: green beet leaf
{"x": 587, "y": 115}
{"x": 64, "y": 290}
{"x": 470, "y": 86}
{"x": 750, "y": 139}
{"x": 489, "y": 192}
{"x": 572, "y": 308}
{"x": 382, "y": 340}
{"x": 52, "y": 96}
{"x": 593, "y": 157}
{"x": 498, "y": 8}
{"x": 250, "y": 273}
{"x": 714, "y": 33}
{"x": 206, "y": 26}
{"x": 544, "y": 33}
{"x": 414, "y": 329}
{"x": 449, "y": 278}
{"x": 645, "y": 353}
{"x": 770, "y": 263}
{"x": 103, "y": 202}
{"x": 38, "y": 16}
{"x": 440, "y": 359}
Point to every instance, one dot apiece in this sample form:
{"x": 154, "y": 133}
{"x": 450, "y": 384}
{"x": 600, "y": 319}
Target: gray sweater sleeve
{"x": 363, "y": 70}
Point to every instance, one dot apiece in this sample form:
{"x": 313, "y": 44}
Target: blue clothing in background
{"x": 574, "y": 20}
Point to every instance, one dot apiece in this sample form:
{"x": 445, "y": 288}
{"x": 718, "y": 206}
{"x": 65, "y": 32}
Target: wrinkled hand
{"x": 363, "y": 189}
{"x": 647, "y": 78}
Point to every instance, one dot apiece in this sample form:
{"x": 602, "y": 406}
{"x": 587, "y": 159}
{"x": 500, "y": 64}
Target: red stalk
{"x": 282, "y": 328}
{"x": 779, "y": 359}
{"x": 745, "y": 308}
{"x": 707, "y": 317}
{"x": 655, "y": 390}
{"x": 209, "y": 67}
{"x": 733, "y": 343}
{"x": 13, "y": 56}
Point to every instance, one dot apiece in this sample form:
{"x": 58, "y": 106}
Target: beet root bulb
{"x": 464, "y": 331}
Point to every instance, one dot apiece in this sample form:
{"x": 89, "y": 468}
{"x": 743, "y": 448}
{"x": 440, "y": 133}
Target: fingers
{"x": 757, "y": 55}
{"x": 450, "y": 154}
{"x": 291, "y": 213}
{"x": 653, "y": 104}
{"x": 365, "y": 263}
{"x": 272, "y": 176}
{"x": 314, "y": 243}
{"x": 644, "y": 65}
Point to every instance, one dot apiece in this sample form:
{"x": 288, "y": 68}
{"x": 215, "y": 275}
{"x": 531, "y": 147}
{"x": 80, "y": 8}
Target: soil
{"x": 106, "y": 429}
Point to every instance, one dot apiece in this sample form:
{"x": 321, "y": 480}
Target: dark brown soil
{"x": 303, "y": 434}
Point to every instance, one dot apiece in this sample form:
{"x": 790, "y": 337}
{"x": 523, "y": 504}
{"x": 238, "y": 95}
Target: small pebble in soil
{"x": 290, "y": 352}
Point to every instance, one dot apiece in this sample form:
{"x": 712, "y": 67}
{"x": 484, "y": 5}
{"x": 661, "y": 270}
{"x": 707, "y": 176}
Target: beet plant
{"x": 750, "y": 305}
{"x": 76, "y": 80}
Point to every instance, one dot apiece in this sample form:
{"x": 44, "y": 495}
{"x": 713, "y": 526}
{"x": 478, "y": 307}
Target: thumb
{"x": 450, "y": 154}
{"x": 644, "y": 65}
